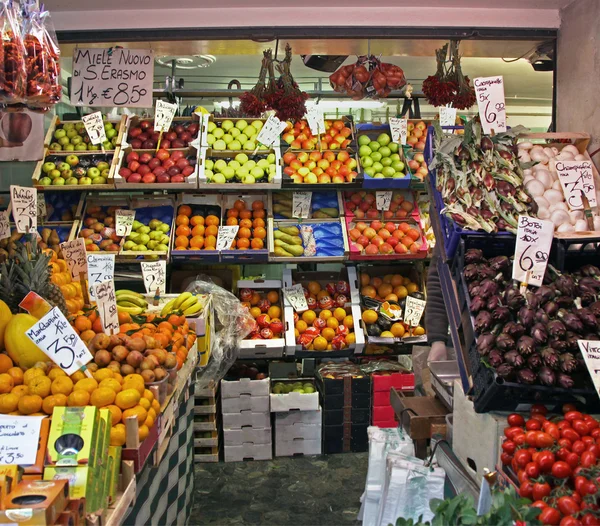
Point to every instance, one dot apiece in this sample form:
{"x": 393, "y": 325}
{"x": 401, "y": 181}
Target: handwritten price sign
{"x": 94, "y": 126}
{"x": 577, "y": 180}
{"x": 124, "y": 222}
{"x": 56, "y": 338}
{"x": 41, "y": 206}
{"x": 24, "y": 208}
{"x": 107, "y": 306}
{"x": 301, "y": 204}
{"x": 590, "y": 349}
{"x": 226, "y": 236}
{"x": 447, "y": 116}
{"x": 100, "y": 268}
{"x": 270, "y": 132}
{"x": 295, "y": 295}
{"x": 383, "y": 200}
{"x": 413, "y": 311}
{"x": 534, "y": 240}
{"x": 75, "y": 256}
{"x": 155, "y": 276}
{"x": 19, "y": 437}
{"x": 398, "y": 129}
{"x": 4, "y": 224}
{"x": 315, "y": 119}
{"x": 491, "y": 103}
{"x": 163, "y": 115}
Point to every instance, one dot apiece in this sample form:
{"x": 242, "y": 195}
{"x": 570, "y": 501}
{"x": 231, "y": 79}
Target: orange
{"x": 143, "y": 432}
{"x": 245, "y": 214}
{"x": 246, "y": 223}
{"x": 211, "y": 230}
{"x": 332, "y": 323}
{"x": 182, "y": 242}
{"x": 273, "y": 296}
{"x": 418, "y": 331}
{"x": 255, "y": 312}
{"x": 397, "y": 330}
{"x": 309, "y": 316}
{"x": 8, "y": 403}
{"x": 245, "y": 233}
{"x": 103, "y": 374}
{"x": 127, "y": 398}
{"x": 257, "y": 244}
{"x": 387, "y": 278}
{"x": 87, "y": 384}
{"x": 257, "y": 205}
{"x": 185, "y": 210}
{"x": 6, "y": 383}
{"x": 232, "y": 212}
{"x": 156, "y": 406}
{"x": 328, "y": 333}
{"x": 5, "y": 363}
{"x": 17, "y": 375}
{"x": 274, "y": 311}
{"x": 369, "y": 316}
{"x": 102, "y": 397}
{"x": 239, "y": 204}
{"x": 314, "y": 287}
{"x": 198, "y": 230}
{"x": 401, "y": 291}
{"x": 212, "y": 221}
{"x": 391, "y": 297}
{"x": 365, "y": 279}
{"x": 137, "y": 411}
{"x": 62, "y": 385}
{"x": 348, "y": 321}
{"x": 182, "y": 220}
{"x": 111, "y": 383}
{"x": 78, "y": 375}
{"x": 325, "y": 314}
{"x": 339, "y": 314}
{"x": 231, "y": 221}
{"x": 210, "y": 242}
{"x": 78, "y": 398}
{"x": 145, "y": 403}
{"x": 257, "y": 223}
{"x": 350, "y": 338}
{"x": 117, "y": 435}
{"x": 20, "y": 390}
{"x": 135, "y": 381}
{"x": 29, "y": 404}
{"x": 197, "y": 242}
{"x": 412, "y": 287}
{"x": 301, "y": 326}
{"x": 32, "y": 373}
{"x": 396, "y": 280}
{"x": 83, "y": 323}
{"x": 384, "y": 290}
{"x": 52, "y": 401}
{"x": 149, "y": 422}
{"x": 183, "y": 230}
{"x": 259, "y": 214}
{"x": 320, "y": 343}
{"x": 197, "y": 221}
{"x": 243, "y": 243}
{"x": 124, "y": 317}
{"x": 260, "y": 232}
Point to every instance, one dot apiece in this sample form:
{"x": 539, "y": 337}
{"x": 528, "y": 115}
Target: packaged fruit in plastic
{"x": 61, "y": 170}
{"x": 142, "y": 135}
{"x": 325, "y": 167}
{"x": 338, "y": 135}
{"x": 197, "y": 227}
{"x": 251, "y": 219}
{"x": 381, "y": 158}
{"x": 363, "y": 205}
{"x": 241, "y": 168}
{"x": 98, "y": 229}
{"x": 73, "y": 137}
{"x": 234, "y": 135}
{"x": 161, "y": 167}
{"x": 266, "y": 308}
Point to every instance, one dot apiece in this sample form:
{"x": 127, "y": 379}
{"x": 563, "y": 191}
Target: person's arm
{"x": 436, "y": 317}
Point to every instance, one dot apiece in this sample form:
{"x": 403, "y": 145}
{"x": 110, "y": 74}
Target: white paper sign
{"x": 301, "y": 204}
{"x": 41, "y": 206}
{"x": 112, "y": 77}
{"x": 577, "y": 178}
{"x": 163, "y": 115}
{"x": 4, "y": 224}
{"x": 155, "y": 276}
{"x": 100, "y": 268}
{"x": 270, "y": 132}
{"x": 226, "y": 236}
{"x": 490, "y": 100}
{"x": 413, "y": 310}
{"x": 75, "y": 255}
{"x": 94, "y": 126}
{"x": 24, "y": 208}
{"x": 295, "y": 295}
{"x": 590, "y": 349}
{"x": 56, "y": 338}
{"x": 534, "y": 240}
{"x": 447, "y": 116}
{"x": 107, "y": 306}
{"x": 398, "y": 129}
{"x": 383, "y": 200}
{"x": 19, "y": 437}
{"x": 316, "y": 121}
{"x": 124, "y": 221}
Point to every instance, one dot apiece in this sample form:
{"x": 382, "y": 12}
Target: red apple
{"x": 133, "y": 156}
{"x": 134, "y": 178}
{"x": 149, "y": 178}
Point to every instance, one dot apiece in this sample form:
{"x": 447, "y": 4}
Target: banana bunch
{"x": 131, "y": 302}
{"x": 186, "y": 303}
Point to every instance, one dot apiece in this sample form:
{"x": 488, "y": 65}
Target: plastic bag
{"x": 233, "y": 323}
{"x": 12, "y": 55}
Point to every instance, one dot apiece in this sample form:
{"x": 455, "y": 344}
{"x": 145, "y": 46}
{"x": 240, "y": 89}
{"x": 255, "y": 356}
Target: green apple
{"x": 384, "y": 139}
{"x": 234, "y": 164}
{"x": 211, "y": 127}
{"x": 93, "y": 172}
{"x": 85, "y": 180}
{"x": 234, "y": 132}
{"x": 363, "y": 140}
{"x": 105, "y": 173}
{"x": 377, "y": 167}
{"x": 398, "y": 166}
{"x": 53, "y": 174}
{"x": 395, "y": 157}
{"x": 271, "y": 158}
{"x": 248, "y": 179}
{"x": 399, "y": 175}
{"x": 227, "y": 125}
{"x": 369, "y": 171}
{"x": 102, "y": 165}
{"x": 251, "y": 131}
{"x": 69, "y": 148}
{"x": 235, "y": 145}
{"x": 241, "y": 158}
{"x": 71, "y": 181}
{"x": 64, "y": 141}
{"x": 68, "y": 126}
{"x": 71, "y": 134}
{"x": 107, "y": 145}
{"x": 263, "y": 163}
{"x": 93, "y": 147}
{"x": 63, "y": 166}
{"x": 80, "y": 147}
{"x": 385, "y": 151}
{"x": 59, "y": 181}
{"x": 228, "y": 173}
{"x": 56, "y": 146}
{"x": 241, "y": 124}
{"x": 228, "y": 139}
{"x": 220, "y": 164}
{"x": 250, "y": 164}
{"x": 257, "y": 124}
{"x": 209, "y": 174}
{"x": 99, "y": 180}
{"x": 394, "y": 147}
{"x": 210, "y": 139}
{"x": 218, "y": 179}
{"x": 220, "y": 145}
{"x": 249, "y": 145}
{"x": 378, "y": 176}
{"x": 59, "y": 134}
{"x": 218, "y": 133}
{"x": 110, "y": 133}
{"x": 241, "y": 172}
{"x": 364, "y": 151}
{"x": 45, "y": 181}
{"x": 257, "y": 172}
{"x": 209, "y": 164}
{"x": 388, "y": 171}
{"x": 48, "y": 167}
{"x": 366, "y": 161}
{"x": 386, "y": 161}
{"x": 374, "y": 145}
{"x": 72, "y": 160}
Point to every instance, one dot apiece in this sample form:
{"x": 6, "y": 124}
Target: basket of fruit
{"x": 71, "y": 136}
{"x": 182, "y": 133}
{"x": 340, "y": 132}
{"x": 232, "y": 135}
{"x": 313, "y": 169}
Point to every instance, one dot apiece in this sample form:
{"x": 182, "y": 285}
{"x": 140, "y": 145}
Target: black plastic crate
{"x": 345, "y": 439}
{"x": 337, "y": 417}
{"x": 337, "y": 386}
{"x": 340, "y": 401}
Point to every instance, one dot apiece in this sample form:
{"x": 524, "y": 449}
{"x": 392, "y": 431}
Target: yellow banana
{"x": 130, "y": 310}
{"x": 197, "y": 307}
{"x": 188, "y": 303}
{"x": 168, "y": 308}
{"x": 122, "y": 292}
{"x": 124, "y": 303}
{"x": 140, "y": 302}
{"x": 180, "y": 299}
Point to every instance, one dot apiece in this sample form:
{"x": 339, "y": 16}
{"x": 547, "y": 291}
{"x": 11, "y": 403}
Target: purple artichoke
{"x": 514, "y": 329}
{"x": 488, "y": 288}
{"x": 473, "y": 255}
{"x": 485, "y": 343}
{"x": 590, "y": 271}
{"x": 514, "y": 299}
{"x": 546, "y": 376}
{"x": 525, "y": 345}
{"x": 571, "y": 321}
{"x": 556, "y": 329}
{"x": 483, "y": 321}
{"x": 550, "y": 357}
{"x": 526, "y": 316}
{"x": 473, "y": 289}
{"x": 501, "y": 314}
{"x": 587, "y": 317}
{"x": 595, "y": 308}
{"x": 493, "y": 302}
{"x": 539, "y": 334}
{"x": 541, "y": 317}
{"x": 545, "y": 293}
{"x": 514, "y": 358}
{"x": 564, "y": 301}
{"x": 477, "y": 304}
{"x": 565, "y": 285}
{"x": 470, "y": 272}
{"x": 571, "y": 341}
{"x": 589, "y": 283}
{"x": 505, "y": 371}
{"x": 568, "y": 363}
{"x": 505, "y": 343}
{"x": 550, "y": 308}
{"x": 499, "y": 263}
{"x": 526, "y": 376}
{"x": 495, "y": 358}
{"x": 533, "y": 301}
{"x": 558, "y": 345}
{"x": 485, "y": 272}
{"x": 565, "y": 381}
{"x": 534, "y": 361}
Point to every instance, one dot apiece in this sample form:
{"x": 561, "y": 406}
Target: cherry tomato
{"x": 533, "y": 425}
{"x": 561, "y": 470}
{"x": 539, "y": 504}
{"x": 522, "y": 476}
{"x": 595, "y": 449}
{"x": 532, "y": 470}
{"x": 508, "y": 446}
{"x": 562, "y": 453}
{"x": 595, "y": 432}
{"x": 569, "y": 521}
{"x": 546, "y": 461}
{"x": 552, "y": 430}
{"x": 539, "y": 417}
{"x": 573, "y": 415}
{"x": 591, "y": 488}
{"x": 563, "y": 424}
{"x": 526, "y": 489}
{"x": 566, "y": 443}
{"x": 588, "y": 459}
{"x": 567, "y": 505}
{"x": 522, "y": 457}
{"x": 591, "y": 422}
{"x": 573, "y": 460}
{"x": 535, "y": 456}
{"x": 581, "y": 427}
{"x": 570, "y": 434}
{"x": 539, "y": 409}
{"x": 578, "y": 447}
{"x": 515, "y": 420}
{"x": 589, "y": 520}
{"x": 550, "y": 516}
{"x": 588, "y": 440}
{"x": 505, "y": 458}
{"x": 566, "y": 408}
{"x": 544, "y": 440}
{"x": 577, "y": 498}
{"x": 541, "y": 490}
{"x": 581, "y": 485}
{"x": 511, "y": 432}
{"x": 531, "y": 438}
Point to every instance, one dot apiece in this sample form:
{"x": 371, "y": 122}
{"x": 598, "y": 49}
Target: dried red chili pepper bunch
{"x": 12, "y": 63}
{"x": 465, "y": 93}
{"x": 289, "y": 100}
{"x": 252, "y": 103}
{"x": 272, "y": 92}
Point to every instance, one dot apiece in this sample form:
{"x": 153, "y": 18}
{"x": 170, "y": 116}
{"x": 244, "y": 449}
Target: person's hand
{"x": 437, "y": 352}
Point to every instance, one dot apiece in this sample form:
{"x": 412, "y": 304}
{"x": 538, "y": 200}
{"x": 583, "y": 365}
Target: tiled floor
{"x": 302, "y": 491}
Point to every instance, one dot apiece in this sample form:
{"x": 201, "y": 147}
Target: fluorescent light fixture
{"x": 366, "y": 104}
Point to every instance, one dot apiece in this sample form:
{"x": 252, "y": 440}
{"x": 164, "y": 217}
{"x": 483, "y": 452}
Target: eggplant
{"x": 526, "y": 316}
{"x": 534, "y": 362}
{"x": 505, "y": 343}
{"x": 501, "y": 314}
{"x": 495, "y": 358}
{"x": 488, "y": 288}
{"x": 546, "y": 375}
{"x": 483, "y": 321}
{"x": 493, "y": 303}
{"x": 477, "y": 304}
{"x": 550, "y": 308}
{"x": 556, "y": 329}
{"x": 587, "y": 317}
{"x": 565, "y": 381}
{"x": 499, "y": 263}
{"x": 542, "y": 317}
{"x": 526, "y": 376}
{"x": 568, "y": 363}
{"x": 525, "y": 345}
{"x": 470, "y": 272}
{"x": 550, "y": 357}
{"x": 505, "y": 371}
{"x": 514, "y": 358}
{"x": 565, "y": 284}
{"x": 539, "y": 334}
{"x": 570, "y": 320}
{"x": 485, "y": 343}
{"x": 513, "y": 329}
{"x": 473, "y": 255}
{"x": 559, "y": 346}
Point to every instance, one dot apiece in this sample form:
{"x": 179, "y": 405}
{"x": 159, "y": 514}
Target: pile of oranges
{"x": 61, "y": 276}
{"x": 195, "y": 232}
{"x": 252, "y": 223}
{"x": 392, "y": 287}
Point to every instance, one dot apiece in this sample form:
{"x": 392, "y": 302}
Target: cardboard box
{"x": 244, "y": 386}
{"x": 38, "y": 466}
{"x": 238, "y": 437}
{"x": 297, "y": 447}
{"x": 298, "y": 432}
{"x": 295, "y": 401}
{"x": 81, "y": 482}
{"x": 248, "y": 452}
{"x": 245, "y": 402}
{"x": 246, "y": 419}
{"x": 114, "y": 469}
{"x": 6, "y": 483}
{"x": 73, "y": 436}
{"x": 13, "y": 471}
{"x": 298, "y": 417}
{"x": 43, "y": 498}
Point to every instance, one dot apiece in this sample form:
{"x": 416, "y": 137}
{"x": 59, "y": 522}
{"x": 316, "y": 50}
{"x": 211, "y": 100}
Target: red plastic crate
{"x": 396, "y": 380}
{"x": 381, "y": 399}
{"x": 385, "y": 423}
{"x": 385, "y": 413}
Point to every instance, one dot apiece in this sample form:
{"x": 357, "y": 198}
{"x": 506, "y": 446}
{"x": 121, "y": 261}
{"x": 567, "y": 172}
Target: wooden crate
{"x": 56, "y": 122}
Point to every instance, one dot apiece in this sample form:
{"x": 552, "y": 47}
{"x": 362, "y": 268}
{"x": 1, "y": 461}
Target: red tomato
{"x": 576, "y": 497}
{"x": 573, "y": 415}
{"x": 568, "y": 505}
{"x": 511, "y": 432}
{"x": 588, "y": 440}
{"x": 531, "y": 437}
{"x": 562, "y": 453}
{"x": 522, "y": 458}
{"x": 526, "y": 489}
{"x": 550, "y": 516}
{"x": 573, "y": 460}
{"x": 522, "y": 476}
{"x": 561, "y": 470}
{"x": 505, "y": 458}
{"x": 552, "y": 430}
{"x": 563, "y": 424}
{"x": 591, "y": 422}
{"x": 519, "y": 439}
{"x": 591, "y": 488}
{"x": 588, "y": 459}
{"x": 581, "y": 427}
{"x": 570, "y": 521}
{"x": 570, "y": 434}
{"x": 581, "y": 485}
{"x": 546, "y": 461}
{"x": 508, "y": 446}
{"x": 533, "y": 425}
{"x": 568, "y": 407}
{"x": 589, "y": 520}
{"x": 539, "y": 409}
{"x": 595, "y": 432}
{"x": 578, "y": 447}
{"x": 566, "y": 443}
{"x": 539, "y": 504}
{"x": 515, "y": 420}
{"x": 532, "y": 470}
{"x": 595, "y": 449}
{"x": 541, "y": 490}
{"x": 539, "y": 417}
{"x": 544, "y": 440}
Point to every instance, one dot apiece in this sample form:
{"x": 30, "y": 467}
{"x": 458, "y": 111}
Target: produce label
{"x": 19, "y": 437}
{"x": 24, "y": 208}
{"x": 163, "y": 115}
{"x": 301, "y": 204}
{"x": 590, "y": 349}
{"x": 41, "y": 206}
{"x": 316, "y": 121}
{"x": 124, "y": 222}
{"x": 107, "y": 306}
{"x": 155, "y": 276}
{"x": 447, "y": 116}
{"x": 534, "y": 239}
{"x": 4, "y": 224}
{"x": 270, "y": 132}
{"x": 56, "y": 338}
{"x": 100, "y": 267}
{"x": 75, "y": 256}
{"x": 94, "y": 126}
{"x": 399, "y": 130}
{"x": 490, "y": 100}
{"x": 383, "y": 200}
{"x": 295, "y": 295}
{"x": 226, "y": 236}
{"x": 413, "y": 311}
{"x": 577, "y": 180}
{"x": 112, "y": 77}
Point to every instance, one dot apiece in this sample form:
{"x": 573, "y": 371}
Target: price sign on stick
{"x": 490, "y": 100}
{"x": 226, "y": 236}
{"x": 101, "y": 267}
{"x": 94, "y": 126}
{"x": 413, "y": 311}
{"x": 124, "y": 222}
{"x": 316, "y": 121}
{"x": 577, "y": 180}
{"x": 590, "y": 349}
{"x": 301, "y": 204}
{"x": 383, "y": 200}
{"x": 107, "y": 306}
{"x": 163, "y": 115}
{"x": 41, "y": 206}
{"x": 155, "y": 276}
{"x": 270, "y": 132}
{"x": 534, "y": 239}
{"x": 19, "y": 437}
{"x": 4, "y": 224}
{"x": 75, "y": 255}
{"x": 447, "y": 116}
{"x": 24, "y": 208}
{"x": 56, "y": 338}
{"x": 295, "y": 295}
{"x": 399, "y": 130}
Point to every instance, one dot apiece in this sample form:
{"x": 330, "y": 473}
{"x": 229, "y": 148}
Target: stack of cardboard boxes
{"x": 206, "y": 430}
